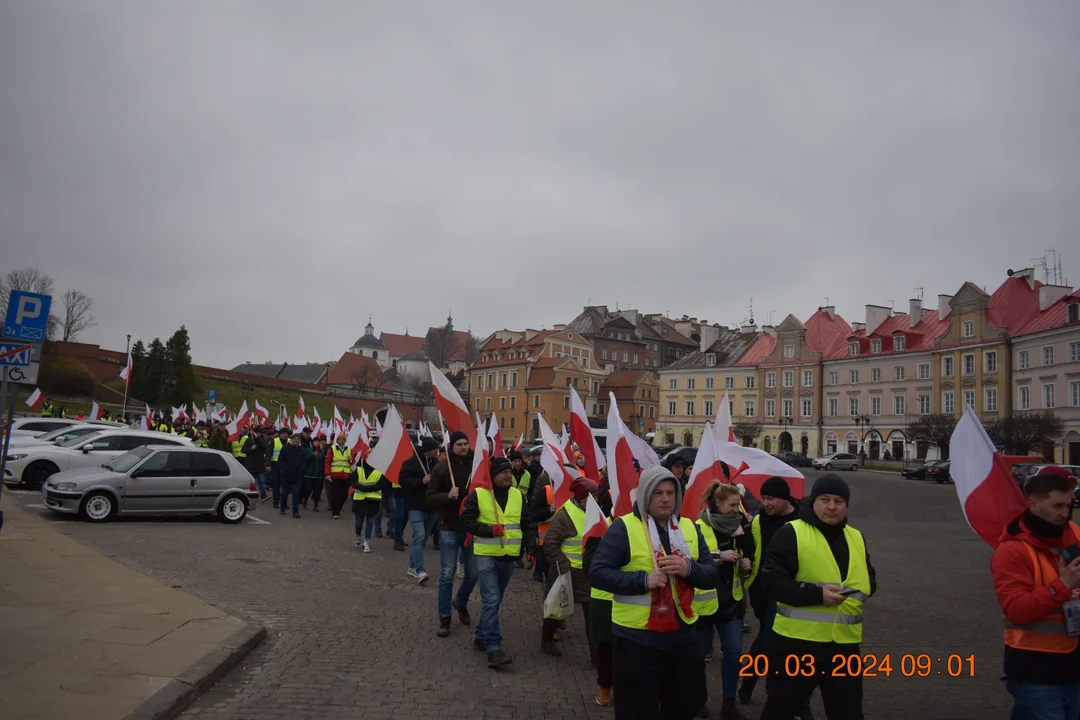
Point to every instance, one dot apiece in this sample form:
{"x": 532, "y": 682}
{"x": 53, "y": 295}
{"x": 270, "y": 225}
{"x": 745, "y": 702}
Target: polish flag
{"x": 317, "y": 419}
{"x": 445, "y": 436}
{"x": 35, "y": 399}
{"x": 519, "y": 443}
{"x": 582, "y": 434}
{"x": 357, "y": 440}
{"x": 554, "y": 462}
{"x": 496, "y": 437}
{"x": 238, "y": 424}
{"x": 262, "y": 414}
{"x": 339, "y": 423}
{"x": 378, "y": 427}
{"x": 96, "y": 413}
{"x": 455, "y": 413}
{"x": 622, "y": 476}
{"x": 126, "y": 372}
{"x": 753, "y": 466}
{"x": 595, "y": 522}
{"x": 723, "y": 422}
{"x": 565, "y": 443}
{"x": 989, "y": 496}
{"x": 147, "y": 420}
{"x": 301, "y": 409}
{"x": 642, "y": 450}
{"x": 481, "y": 467}
{"x": 394, "y": 448}
{"x": 177, "y": 413}
{"x": 707, "y": 468}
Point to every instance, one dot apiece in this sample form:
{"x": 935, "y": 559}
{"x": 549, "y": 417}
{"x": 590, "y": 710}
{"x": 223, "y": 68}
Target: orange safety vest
{"x": 542, "y": 528}
{"x": 1047, "y": 634}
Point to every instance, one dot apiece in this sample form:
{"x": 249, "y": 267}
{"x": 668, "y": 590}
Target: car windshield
{"x": 79, "y": 440}
{"x": 60, "y": 436}
{"x": 128, "y": 460}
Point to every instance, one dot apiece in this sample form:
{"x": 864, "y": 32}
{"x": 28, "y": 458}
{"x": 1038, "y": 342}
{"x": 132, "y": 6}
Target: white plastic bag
{"x": 559, "y": 603}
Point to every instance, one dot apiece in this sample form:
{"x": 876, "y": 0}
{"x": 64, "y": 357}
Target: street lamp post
{"x": 127, "y": 382}
{"x": 785, "y": 422}
{"x": 863, "y": 421}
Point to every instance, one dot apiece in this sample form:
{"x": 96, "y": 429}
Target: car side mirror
{"x": 87, "y": 448}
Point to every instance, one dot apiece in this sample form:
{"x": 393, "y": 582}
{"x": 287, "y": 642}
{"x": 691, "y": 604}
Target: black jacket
{"x": 413, "y": 488}
{"x": 730, "y": 608}
{"x": 535, "y": 471}
{"x": 470, "y": 513}
{"x": 291, "y": 462}
{"x": 438, "y": 490}
{"x": 539, "y": 509}
{"x": 254, "y": 449}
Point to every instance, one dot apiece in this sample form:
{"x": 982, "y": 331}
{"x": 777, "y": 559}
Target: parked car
{"x": 155, "y": 479}
{"x": 56, "y": 436}
{"x": 33, "y": 465}
{"x": 940, "y": 472}
{"x": 794, "y": 459}
{"x": 1020, "y": 465}
{"x": 918, "y": 472}
{"x": 837, "y": 460}
{"x": 35, "y": 426}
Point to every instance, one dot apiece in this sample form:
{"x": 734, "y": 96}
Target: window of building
{"x": 875, "y": 346}
{"x": 947, "y": 403}
{"x": 731, "y": 408}
{"x": 513, "y": 402}
{"x": 513, "y": 379}
{"x": 947, "y": 366}
{"x": 789, "y": 378}
{"x": 1074, "y": 352}
{"x": 479, "y": 381}
{"x": 708, "y": 408}
{"x": 536, "y": 401}
{"x": 968, "y": 360}
{"x": 1024, "y": 397}
{"x": 807, "y": 407}
{"x": 990, "y": 401}
{"x": 853, "y": 348}
{"x": 853, "y": 375}
{"x": 924, "y": 371}
{"x": 898, "y": 405}
{"x": 1074, "y": 393}
{"x": 834, "y": 407}
{"x": 969, "y": 399}
{"x": 748, "y": 408}
{"x": 899, "y": 343}
{"x": 1048, "y": 396}
{"x": 807, "y": 378}
{"x": 788, "y": 406}
{"x": 924, "y": 404}
{"x": 710, "y": 360}
{"x": 770, "y": 407}
{"x": 710, "y": 382}
{"x": 487, "y": 403}
{"x": 634, "y": 359}
{"x": 1023, "y": 360}
{"x": 505, "y": 377}
{"x": 853, "y": 406}
{"x": 673, "y": 384}
{"x": 511, "y": 423}
{"x": 584, "y": 362}
{"x": 671, "y": 407}
{"x": 789, "y": 351}
{"x": 689, "y": 408}
{"x": 603, "y": 353}
{"x": 899, "y": 373}
{"x": 502, "y": 403}
{"x": 490, "y": 380}
{"x": 770, "y": 379}
{"x": 834, "y": 378}
{"x": 1073, "y": 313}
{"x": 566, "y": 402}
{"x": 875, "y": 404}
{"x": 729, "y": 382}
{"x": 691, "y": 383}
{"x": 990, "y": 361}
{"x": 875, "y": 375}
{"x": 652, "y": 412}
{"x": 477, "y": 403}
{"x": 624, "y": 356}
{"x": 751, "y": 382}
{"x": 969, "y": 328}
{"x": 1048, "y": 355}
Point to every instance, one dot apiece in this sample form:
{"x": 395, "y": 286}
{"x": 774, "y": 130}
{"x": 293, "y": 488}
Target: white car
{"x": 32, "y": 465}
{"x": 31, "y": 427}
{"x": 79, "y": 429}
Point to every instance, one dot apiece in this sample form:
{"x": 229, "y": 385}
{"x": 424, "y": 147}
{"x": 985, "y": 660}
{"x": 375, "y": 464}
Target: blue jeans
{"x": 421, "y": 522}
{"x": 292, "y": 487}
{"x": 761, "y": 643}
{"x": 495, "y": 575}
{"x": 1044, "y": 702}
{"x": 358, "y": 525}
{"x": 450, "y": 547}
{"x": 263, "y": 481}
{"x": 731, "y": 634}
{"x": 396, "y": 525}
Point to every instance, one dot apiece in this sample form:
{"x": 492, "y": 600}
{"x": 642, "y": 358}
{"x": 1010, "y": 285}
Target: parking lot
{"x": 352, "y": 635}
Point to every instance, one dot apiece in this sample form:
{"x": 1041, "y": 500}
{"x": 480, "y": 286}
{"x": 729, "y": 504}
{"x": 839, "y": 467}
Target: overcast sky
{"x": 268, "y": 173}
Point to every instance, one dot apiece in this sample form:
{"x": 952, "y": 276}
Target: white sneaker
{"x": 367, "y": 546}
{"x": 357, "y": 542}
{"x": 411, "y": 572}
{"x": 422, "y": 578}
{"x": 461, "y": 570}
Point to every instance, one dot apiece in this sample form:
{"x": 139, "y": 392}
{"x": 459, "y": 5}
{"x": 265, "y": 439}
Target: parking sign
{"x": 27, "y": 316}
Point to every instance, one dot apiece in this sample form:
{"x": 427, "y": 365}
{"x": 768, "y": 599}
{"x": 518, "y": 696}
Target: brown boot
{"x": 603, "y": 696}
{"x": 444, "y": 628}
{"x": 462, "y": 614}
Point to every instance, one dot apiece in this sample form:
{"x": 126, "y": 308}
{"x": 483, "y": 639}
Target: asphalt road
{"x": 352, "y": 635}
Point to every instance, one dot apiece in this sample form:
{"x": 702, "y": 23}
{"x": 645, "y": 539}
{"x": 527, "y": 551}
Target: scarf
{"x": 729, "y": 525}
{"x": 662, "y": 615}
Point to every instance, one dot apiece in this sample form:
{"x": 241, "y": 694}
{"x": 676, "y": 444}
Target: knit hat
{"x": 582, "y": 488}
{"x": 427, "y": 444}
{"x": 650, "y": 478}
{"x": 778, "y": 488}
{"x": 513, "y": 455}
{"x": 457, "y": 435}
{"x": 831, "y": 484}
{"x": 498, "y": 465}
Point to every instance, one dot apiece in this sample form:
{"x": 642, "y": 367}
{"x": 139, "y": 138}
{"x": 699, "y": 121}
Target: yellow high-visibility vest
{"x": 365, "y": 480}
{"x": 755, "y": 532}
{"x": 509, "y": 545}
{"x": 237, "y": 448}
{"x": 594, "y": 592}
{"x": 632, "y": 611}
{"x": 278, "y": 444}
{"x": 342, "y": 460}
{"x": 571, "y": 547}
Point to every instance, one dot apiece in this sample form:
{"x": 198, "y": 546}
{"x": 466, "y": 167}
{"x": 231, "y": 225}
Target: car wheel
{"x": 828, "y": 466}
{"x": 98, "y": 507}
{"x": 37, "y": 473}
{"x": 232, "y": 509}
{"x": 854, "y": 467}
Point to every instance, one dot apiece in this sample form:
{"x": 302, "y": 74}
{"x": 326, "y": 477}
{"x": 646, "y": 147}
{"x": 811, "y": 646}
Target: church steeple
{"x": 369, "y": 329}
{"x": 450, "y": 322}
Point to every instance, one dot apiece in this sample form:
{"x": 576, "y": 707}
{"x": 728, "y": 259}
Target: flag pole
{"x": 449, "y": 450}
{"x": 127, "y": 381}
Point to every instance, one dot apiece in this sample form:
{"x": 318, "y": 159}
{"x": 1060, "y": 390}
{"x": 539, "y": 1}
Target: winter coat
{"x": 313, "y": 466}
{"x": 562, "y": 528}
{"x": 219, "y": 440}
{"x": 438, "y": 490}
{"x": 470, "y": 512}
{"x": 729, "y": 607}
{"x": 413, "y": 489}
{"x": 291, "y": 463}
{"x": 254, "y": 450}
{"x": 599, "y": 610}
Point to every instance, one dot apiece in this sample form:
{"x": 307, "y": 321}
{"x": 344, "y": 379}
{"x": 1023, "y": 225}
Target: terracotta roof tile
{"x": 917, "y": 339}
{"x": 762, "y": 347}
{"x": 823, "y": 329}
{"x": 351, "y": 365}
{"x": 1055, "y": 316}
{"x": 401, "y": 345}
{"x": 1014, "y": 304}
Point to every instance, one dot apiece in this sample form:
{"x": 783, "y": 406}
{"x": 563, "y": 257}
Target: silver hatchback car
{"x": 155, "y": 480}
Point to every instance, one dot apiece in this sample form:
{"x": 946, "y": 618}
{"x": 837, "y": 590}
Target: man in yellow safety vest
{"x": 493, "y": 518}
{"x": 818, "y": 572}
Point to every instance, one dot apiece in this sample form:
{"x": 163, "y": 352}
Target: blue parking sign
{"x": 27, "y": 316}
{"x": 211, "y": 395}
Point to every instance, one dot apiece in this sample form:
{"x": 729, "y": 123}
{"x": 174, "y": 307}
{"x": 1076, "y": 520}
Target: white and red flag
{"x": 378, "y": 427}
{"x": 722, "y": 430}
{"x": 394, "y": 447}
{"x": 339, "y": 423}
{"x": 35, "y": 399}
{"x": 237, "y": 425}
{"x": 556, "y": 464}
{"x": 495, "y": 434}
{"x": 481, "y": 468}
{"x": 357, "y": 440}
{"x": 565, "y": 443}
{"x": 301, "y": 409}
{"x": 262, "y": 414}
{"x": 595, "y": 522}
{"x": 178, "y": 413}
{"x": 581, "y": 433}
{"x": 642, "y": 450}
{"x": 753, "y": 466}
{"x": 454, "y": 412}
{"x": 96, "y": 413}
{"x": 126, "y": 372}
{"x": 707, "y": 468}
{"x": 622, "y": 475}
{"x": 989, "y": 496}
{"x": 519, "y": 443}
{"x": 148, "y": 419}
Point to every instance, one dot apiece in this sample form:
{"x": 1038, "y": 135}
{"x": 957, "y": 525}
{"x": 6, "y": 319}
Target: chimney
{"x": 1027, "y": 274}
{"x": 529, "y": 334}
{"x": 632, "y": 315}
{"x": 856, "y": 326}
{"x": 709, "y": 335}
{"x": 747, "y": 329}
{"x": 1050, "y": 294}
{"x": 831, "y": 310}
{"x": 769, "y": 330}
{"x": 875, "y": 316}
{"x": 915, "y": 308}
{"x": 558, "y": 327}
{"x": 943, "y": 308}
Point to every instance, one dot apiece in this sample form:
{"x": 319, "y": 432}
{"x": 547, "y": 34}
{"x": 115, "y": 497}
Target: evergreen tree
{"x": 155, "y": 373}
{"x": 138, "y": 370}
{"x": 178, "y": 362}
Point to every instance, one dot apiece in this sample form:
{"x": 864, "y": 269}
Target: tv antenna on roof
{"x": 919, "y": 292}
{"x": 826, "y": 301}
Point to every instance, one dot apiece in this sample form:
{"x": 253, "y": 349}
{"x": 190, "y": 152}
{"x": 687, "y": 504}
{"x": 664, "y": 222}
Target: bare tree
{"x": 935, "y": 429}
{"x": 28, "y": 279}
{"x": 472, "y": 349}
{"x": 78, "y": 314}
{"x": 367, "y": 377}
{"x": 1024, "y": 432}
{"x": 747, "y": 431}
{"x": 442, "y": 347}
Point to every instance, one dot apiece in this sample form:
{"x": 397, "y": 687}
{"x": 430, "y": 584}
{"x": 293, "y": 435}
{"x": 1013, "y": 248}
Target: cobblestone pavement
{"x": 351, "y": 635}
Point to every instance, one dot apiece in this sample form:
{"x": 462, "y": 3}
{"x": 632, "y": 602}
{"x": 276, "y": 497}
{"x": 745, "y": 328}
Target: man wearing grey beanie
{"x": 651, "y": 561}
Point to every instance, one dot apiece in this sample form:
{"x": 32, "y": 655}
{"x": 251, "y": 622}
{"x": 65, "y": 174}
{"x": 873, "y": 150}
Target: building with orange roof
{"x": 637, "y": 394}
{"x": 410, "y": 354}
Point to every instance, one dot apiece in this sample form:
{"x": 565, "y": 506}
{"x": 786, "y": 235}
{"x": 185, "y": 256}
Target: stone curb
{"x": 168, "y": 702}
